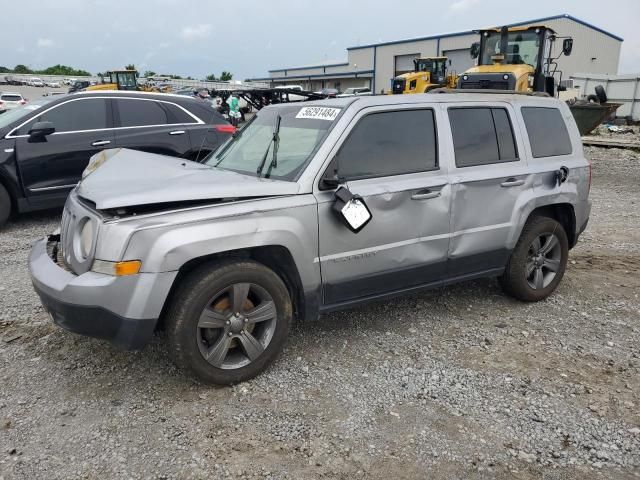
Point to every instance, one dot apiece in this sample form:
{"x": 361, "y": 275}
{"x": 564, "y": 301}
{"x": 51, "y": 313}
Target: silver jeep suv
{"x": 315, "y": 207}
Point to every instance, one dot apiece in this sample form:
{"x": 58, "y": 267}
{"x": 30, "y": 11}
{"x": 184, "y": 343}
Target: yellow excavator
{"x": 428, "y": 74}
{"x": 117, "y": 80}
{"x": 516, "y": 58}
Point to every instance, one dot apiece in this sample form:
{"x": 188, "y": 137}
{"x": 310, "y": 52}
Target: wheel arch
{"x": 11, "y": 189}
{"x": 275, "y": 257}
{"x": 564, "y": 214}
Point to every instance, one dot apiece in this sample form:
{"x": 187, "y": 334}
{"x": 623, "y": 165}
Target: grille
{"x": 398, "y": 86}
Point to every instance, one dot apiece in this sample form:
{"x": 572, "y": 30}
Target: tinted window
{"x": 390, "y": 143}
{"x": 482, "y": 136}
{"x": 11, "y": 98}
{"x": 85, "y": 114}
{"x": 137, "y": 113}
{"x": 547, "y": 132}
{"x": 178, "y": 115}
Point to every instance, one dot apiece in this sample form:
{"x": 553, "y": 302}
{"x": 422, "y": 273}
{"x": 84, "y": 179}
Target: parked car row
{"x": 28, "y": 81}
{"x": 46, "y": 144}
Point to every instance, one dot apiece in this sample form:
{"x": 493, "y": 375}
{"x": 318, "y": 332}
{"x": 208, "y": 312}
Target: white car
{"x": 69, "y": 81}
{"x": 52, "y": 84}
{"x": 292, "y": 96}
{"x": 36, "y": 82}
{"x": 11, "y": 100}
{"x": 356, "y": 92}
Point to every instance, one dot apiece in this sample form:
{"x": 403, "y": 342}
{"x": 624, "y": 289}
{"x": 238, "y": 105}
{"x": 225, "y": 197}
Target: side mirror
{"x": 567, "y": 46}
{"x": 351, "y": 210}
{"x": 41, "y": 129}
{"x": 475, "y": 50}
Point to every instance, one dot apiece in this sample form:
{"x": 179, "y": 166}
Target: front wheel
{"x": 538, "y": 262}
{"x": 229, "y": 321}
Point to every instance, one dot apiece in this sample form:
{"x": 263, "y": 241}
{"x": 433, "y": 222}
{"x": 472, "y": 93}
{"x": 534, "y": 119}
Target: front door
{"x": 489, "y": 178}
{"x": 52, "y": 165}
{"x": 389, "y": 158}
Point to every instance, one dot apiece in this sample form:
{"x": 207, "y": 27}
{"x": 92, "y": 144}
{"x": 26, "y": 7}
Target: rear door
{"x": 390, "y": 158}
{"x": 152, "y": 126}
{"x": 50, "y": 166}
{"x": 490, "y": 177}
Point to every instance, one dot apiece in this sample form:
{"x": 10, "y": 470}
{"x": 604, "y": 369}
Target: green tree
{"x": 149, "y": 73}
{"x": 22, "y": 69}
{"x": 211, "y": 78}
{"x": 4, "y": 70}
{"x": 64, "y": 70}
{"x": 226, "y": 76}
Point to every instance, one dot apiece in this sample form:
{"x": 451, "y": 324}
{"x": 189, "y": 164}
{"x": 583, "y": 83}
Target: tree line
{"x": 54, "y": 70}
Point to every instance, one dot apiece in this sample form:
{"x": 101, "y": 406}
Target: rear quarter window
{"x": 547, "y": 132}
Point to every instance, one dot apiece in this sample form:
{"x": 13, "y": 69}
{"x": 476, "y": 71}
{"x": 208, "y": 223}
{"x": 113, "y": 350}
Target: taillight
{"x": 225, "y": 129}
{"x": 22, "y": 102}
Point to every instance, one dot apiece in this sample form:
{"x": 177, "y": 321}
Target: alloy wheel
{"x": 543, "y": 261}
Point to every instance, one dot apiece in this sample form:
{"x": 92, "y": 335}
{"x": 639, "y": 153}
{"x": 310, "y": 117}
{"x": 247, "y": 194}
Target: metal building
{"x": 594, "y": 50}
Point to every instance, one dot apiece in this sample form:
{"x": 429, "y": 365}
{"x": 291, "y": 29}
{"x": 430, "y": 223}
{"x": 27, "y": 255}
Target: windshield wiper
{"x": 275, "y": 140}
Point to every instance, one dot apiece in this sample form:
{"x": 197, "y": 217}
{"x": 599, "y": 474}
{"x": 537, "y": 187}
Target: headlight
{"x": 117, "y": 269}
{"x": 86, "y": 238}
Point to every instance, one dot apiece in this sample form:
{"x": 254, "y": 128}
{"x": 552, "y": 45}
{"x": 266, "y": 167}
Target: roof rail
{"x": 489, "y": 90}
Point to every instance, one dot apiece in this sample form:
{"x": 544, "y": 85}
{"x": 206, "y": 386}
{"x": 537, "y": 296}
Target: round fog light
{"x": 505, "y": 77}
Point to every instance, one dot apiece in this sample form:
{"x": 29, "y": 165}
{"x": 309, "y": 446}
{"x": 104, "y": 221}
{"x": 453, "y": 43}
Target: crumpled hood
{"x": 124, "y": 178}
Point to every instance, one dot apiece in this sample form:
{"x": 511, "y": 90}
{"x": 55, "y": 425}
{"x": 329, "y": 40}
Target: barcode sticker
{"x": 319, "y": 113}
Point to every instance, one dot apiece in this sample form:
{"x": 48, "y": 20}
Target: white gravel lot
{"x": 456, "y": 383}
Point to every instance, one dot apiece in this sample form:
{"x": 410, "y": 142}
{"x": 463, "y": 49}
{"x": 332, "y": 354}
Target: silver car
{"x": 315, "y": 207}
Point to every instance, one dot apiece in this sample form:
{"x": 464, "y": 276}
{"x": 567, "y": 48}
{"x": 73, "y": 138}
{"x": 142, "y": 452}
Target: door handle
{"x": 99, "y": 143}
{"x": 177, "y": 132}
{"x": 425, "y": 195}
{"x": 512, "y": 182}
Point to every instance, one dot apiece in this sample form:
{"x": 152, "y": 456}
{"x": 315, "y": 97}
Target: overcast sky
{"x": 249, "y": 37}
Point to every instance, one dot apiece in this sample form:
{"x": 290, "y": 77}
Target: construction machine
{"x": 522, "y": 59}
{"x": 428, "y": 73}
{"x": 516, "y": 58}
{"x": 117, "y": 80}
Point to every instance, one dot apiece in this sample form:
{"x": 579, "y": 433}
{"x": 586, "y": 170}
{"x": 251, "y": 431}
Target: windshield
{"x": 302, "y": 129}
{"x": 11, "y": 116}
{"x": 522, "y": 48}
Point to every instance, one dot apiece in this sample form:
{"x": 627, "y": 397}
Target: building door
{"x": 404, "y": 63}
{"x": 461, "y": 60}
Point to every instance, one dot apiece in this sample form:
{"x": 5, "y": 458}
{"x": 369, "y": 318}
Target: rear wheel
{"x": 229, "y": 321}
{"x": 538, "y": 262}
{"x": 5, "y": 205}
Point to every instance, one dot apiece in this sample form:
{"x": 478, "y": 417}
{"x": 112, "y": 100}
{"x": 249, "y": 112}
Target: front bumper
{"x": 122, "y": 310}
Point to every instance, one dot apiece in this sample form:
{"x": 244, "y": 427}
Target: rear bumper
{"x": 122, "y": 310}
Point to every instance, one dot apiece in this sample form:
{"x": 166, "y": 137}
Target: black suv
{"x": 45, "y": 146}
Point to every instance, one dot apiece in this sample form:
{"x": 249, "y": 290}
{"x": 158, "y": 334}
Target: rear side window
{"x": 390, "y": 143}
{"x": 547, "y": 132}
{"x": 138, "y": 113}
{"x": 482, "y": 136}
{"x": 85, "y": 114}
{"x": 179, "y": 115}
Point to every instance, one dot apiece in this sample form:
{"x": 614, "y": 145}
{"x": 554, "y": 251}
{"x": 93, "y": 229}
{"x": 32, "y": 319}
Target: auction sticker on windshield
{"x": 319, "y": 113}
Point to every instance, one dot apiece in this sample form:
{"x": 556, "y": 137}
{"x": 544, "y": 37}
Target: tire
{"x": 5, "y": 205}
{"x": 532, "y": 277}
{"x": 601, "y": 94}
{"x": 206, "y": 297}
{"x": 592, "y": 99}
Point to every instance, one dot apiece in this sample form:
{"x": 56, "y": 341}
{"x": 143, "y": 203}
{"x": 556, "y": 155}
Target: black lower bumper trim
{"x": 98, "y": 322}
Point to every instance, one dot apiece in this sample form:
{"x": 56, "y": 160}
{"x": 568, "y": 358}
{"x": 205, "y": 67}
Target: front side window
{"x": 390, "y": 143}
{"x": 482, "y": 136}
{"x": 301, "y": 131}
{"x": 85, "y": 114}
{"x": 547, "y": 132}
{"x": 139, "y": 113}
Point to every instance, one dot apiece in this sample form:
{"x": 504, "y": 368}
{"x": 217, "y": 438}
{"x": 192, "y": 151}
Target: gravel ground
{"x": 457, "y": 383}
